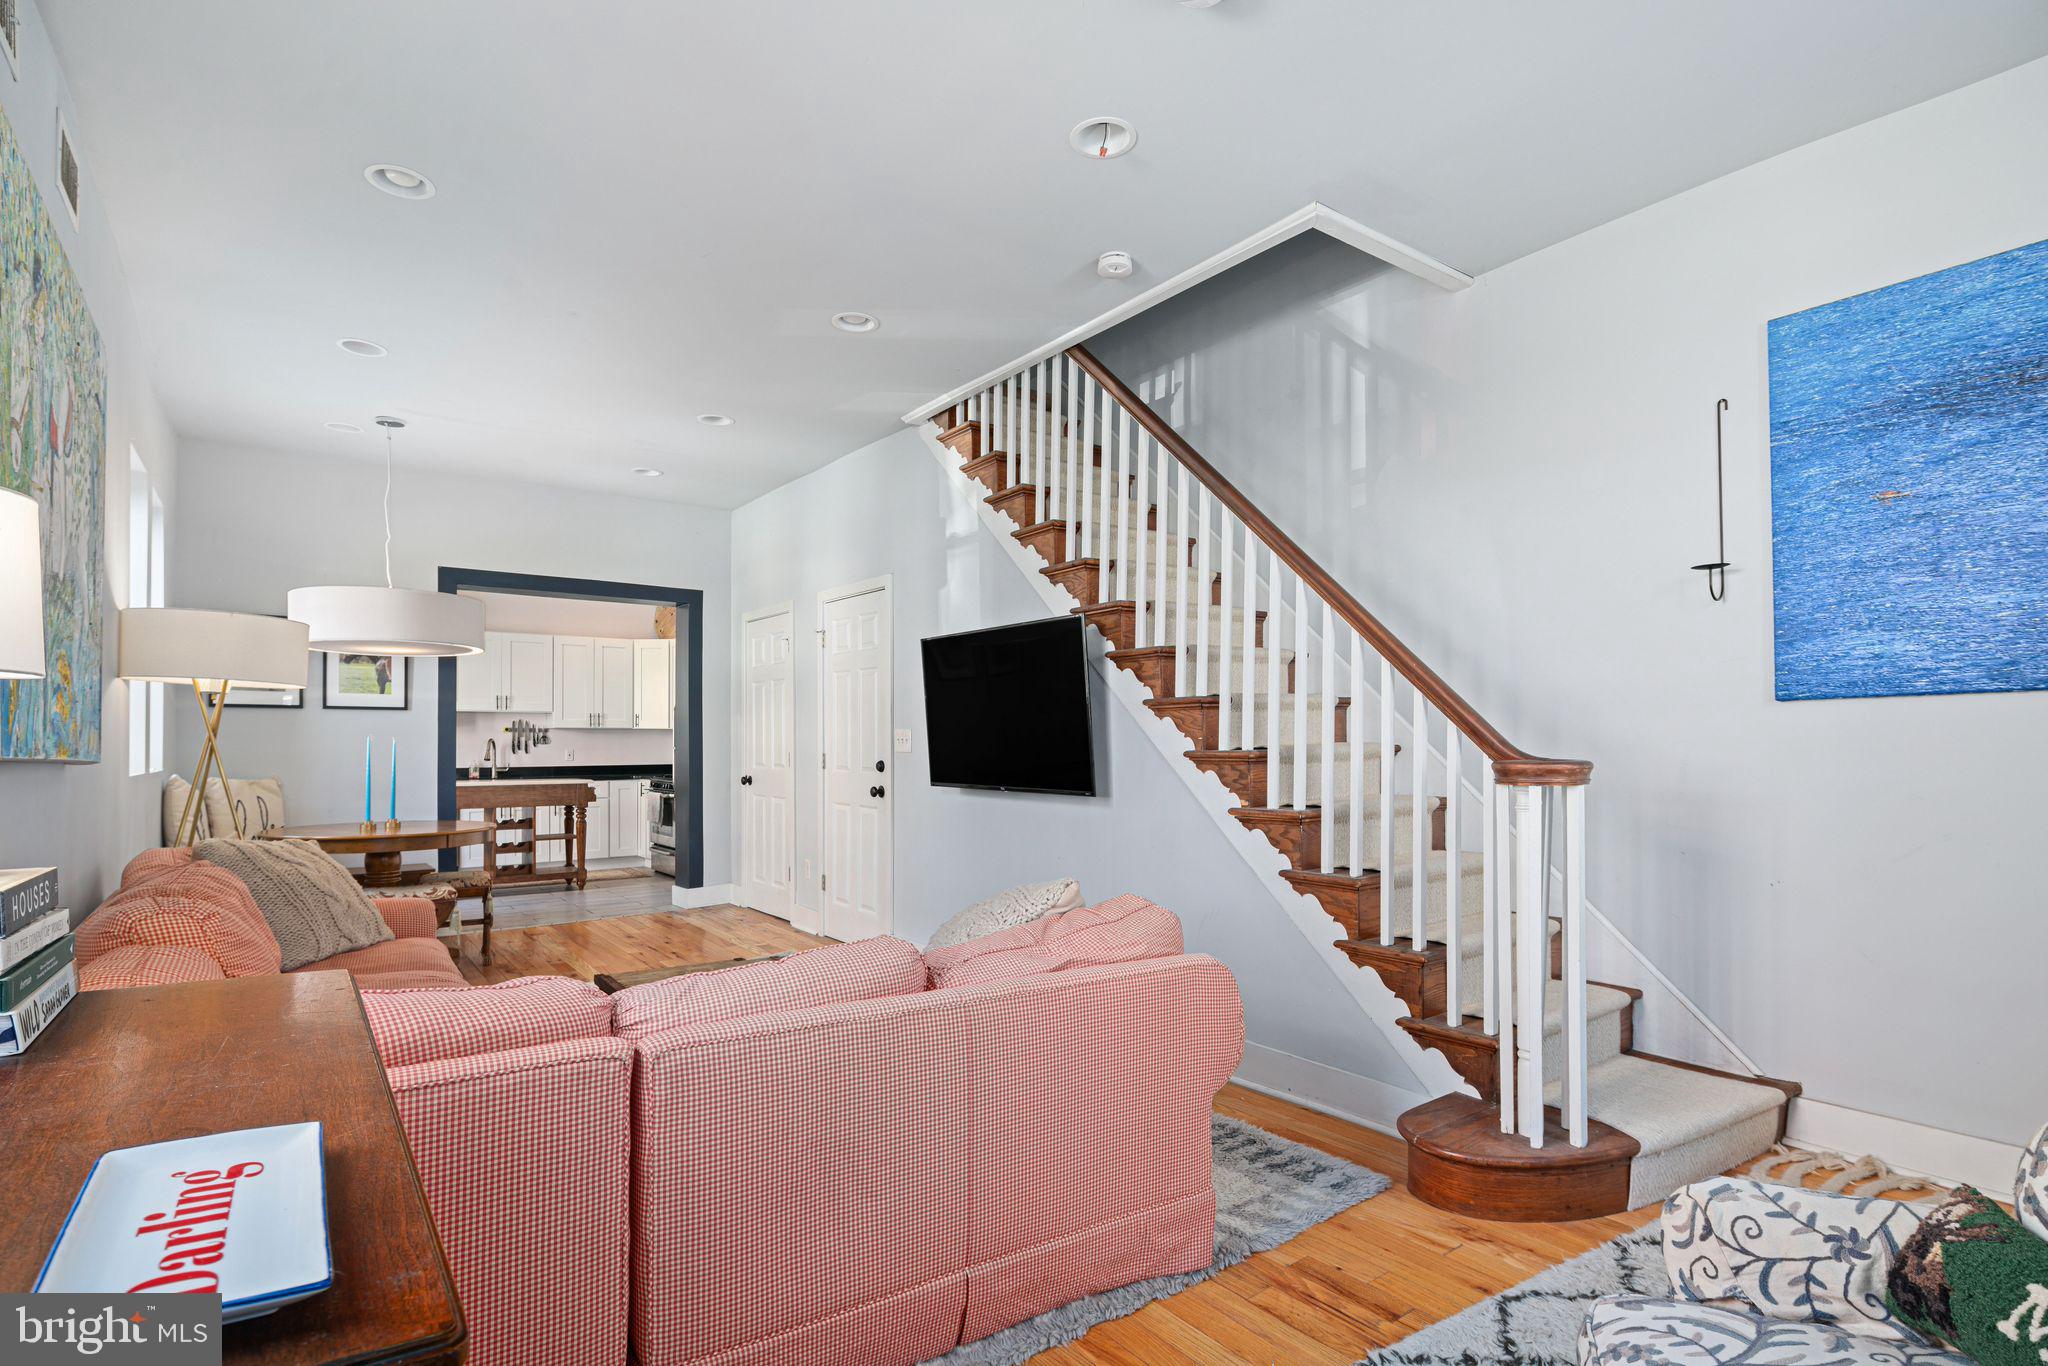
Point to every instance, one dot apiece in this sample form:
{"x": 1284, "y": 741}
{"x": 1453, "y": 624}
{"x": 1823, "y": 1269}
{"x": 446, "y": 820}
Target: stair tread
{"x": 1601, "y": 1001}
{"x": 1664, "y": 1107}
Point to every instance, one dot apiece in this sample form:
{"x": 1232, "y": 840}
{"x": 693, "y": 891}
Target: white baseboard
{"x": 1329, "y": 1090}
{"x": 1915, "y": 1149}
{"x": 690, "y": 898}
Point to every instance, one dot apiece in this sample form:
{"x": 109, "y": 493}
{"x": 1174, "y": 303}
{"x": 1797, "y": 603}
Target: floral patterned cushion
{"x": 2030, "y": 1192}
{"x": 1788, "y": 1254}
{"x": 1641, "y": 1329}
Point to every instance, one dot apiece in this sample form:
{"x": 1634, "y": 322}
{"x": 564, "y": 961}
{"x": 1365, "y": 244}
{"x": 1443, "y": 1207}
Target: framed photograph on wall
{"x": 291, "y": 699}
{"x": 368, "y": 682}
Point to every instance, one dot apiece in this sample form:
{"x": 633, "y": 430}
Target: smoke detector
{"x": 1114, "y": 265}
{"x": 1103, "y": 137}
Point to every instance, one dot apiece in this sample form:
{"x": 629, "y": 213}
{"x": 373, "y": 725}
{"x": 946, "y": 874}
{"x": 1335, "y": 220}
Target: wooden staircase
{"x": 1129, "y": 531}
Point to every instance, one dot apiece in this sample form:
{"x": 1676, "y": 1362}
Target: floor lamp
{"x": 214, "y": 652}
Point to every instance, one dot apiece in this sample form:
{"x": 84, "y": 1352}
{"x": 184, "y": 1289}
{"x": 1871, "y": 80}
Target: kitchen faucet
{"x": 491, "y": 756}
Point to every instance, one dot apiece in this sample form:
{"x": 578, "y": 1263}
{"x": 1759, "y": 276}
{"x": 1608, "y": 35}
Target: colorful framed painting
{"x": 53, "y": 376}
{"x": 1909, "y": 486}
{"x": 366, "y": 682}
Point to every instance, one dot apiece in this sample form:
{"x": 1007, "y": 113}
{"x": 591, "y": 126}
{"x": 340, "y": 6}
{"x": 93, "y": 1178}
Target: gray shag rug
{"x": 1537, "y": 1322}
{"x": 1267, "y": 1190}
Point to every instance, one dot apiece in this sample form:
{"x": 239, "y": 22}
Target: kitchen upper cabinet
{"x": 576, "y": 682}
{"x": 516, "y": 672}
{"x": 654, "y": 674}
{"x": 615, "y": 685}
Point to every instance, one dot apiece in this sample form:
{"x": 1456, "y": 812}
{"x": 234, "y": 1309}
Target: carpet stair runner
{"x": 1657, "y": 1123}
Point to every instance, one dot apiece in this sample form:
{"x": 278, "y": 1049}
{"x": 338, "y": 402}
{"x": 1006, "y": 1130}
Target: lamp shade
{"x": 241, "y": 649}
{"x": 388, "y": 621}
{"x": 21, "y": 586}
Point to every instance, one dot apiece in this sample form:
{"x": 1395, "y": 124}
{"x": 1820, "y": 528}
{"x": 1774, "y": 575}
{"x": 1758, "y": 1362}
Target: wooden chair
{"x": 464, "y": 884}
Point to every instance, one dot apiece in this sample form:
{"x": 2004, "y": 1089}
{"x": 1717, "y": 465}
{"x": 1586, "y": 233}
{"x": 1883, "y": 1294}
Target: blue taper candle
{"x": 394, "y": 777}
{"x": 367, "y": 742}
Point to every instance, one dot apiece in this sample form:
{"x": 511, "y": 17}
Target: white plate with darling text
{"x": 242, "y": 1215}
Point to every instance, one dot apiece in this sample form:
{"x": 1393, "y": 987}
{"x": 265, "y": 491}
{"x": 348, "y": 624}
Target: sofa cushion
{"x": 429, "y": 1026}
{"x": 1639, "y": 1329}
{"x": 151, "y": 864}
{"x": 2030, "y": 1191}
{"x": 834, "y": 975}
{"x": 373, "y": 966}
{"x": 1973, "y": 1279}
{"x": 198, "y": 907}
{"x": 1005, "y": 910}
{"x": 147, "y": 965}
{"x": 261, "y": 801}
{"x": 1120, "y": 930}
{"x": 314, "y": 907}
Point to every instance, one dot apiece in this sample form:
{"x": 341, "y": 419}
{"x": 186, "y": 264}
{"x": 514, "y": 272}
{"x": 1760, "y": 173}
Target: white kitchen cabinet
{"x": 593, "y": 683}
{"x": 598, "y": 833}
{"x": 516, "y": 672}
{"x": 654, "y": 673}
{"x": 626, "y": 800}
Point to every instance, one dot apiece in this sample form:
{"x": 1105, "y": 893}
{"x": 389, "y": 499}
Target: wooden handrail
{"x": 1512, "y": 765}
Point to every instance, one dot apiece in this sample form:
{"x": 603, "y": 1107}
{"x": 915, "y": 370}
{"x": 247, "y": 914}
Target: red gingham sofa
{"x": 858, "y": 1154}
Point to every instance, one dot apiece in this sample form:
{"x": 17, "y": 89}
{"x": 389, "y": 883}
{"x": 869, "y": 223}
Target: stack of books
{"x": 37, "y": 976}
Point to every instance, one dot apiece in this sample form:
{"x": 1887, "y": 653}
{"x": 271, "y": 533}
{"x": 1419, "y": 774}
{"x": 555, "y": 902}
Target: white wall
{"x": 1516, "y": 479}
{"x": 889, "y": 509}
{"x": 563, "y": 617}
{"x": 257, "y": 524}
{"x": 88, "y": 819}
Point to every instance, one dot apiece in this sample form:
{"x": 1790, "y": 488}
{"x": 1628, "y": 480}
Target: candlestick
{"x": 393, "y": 808}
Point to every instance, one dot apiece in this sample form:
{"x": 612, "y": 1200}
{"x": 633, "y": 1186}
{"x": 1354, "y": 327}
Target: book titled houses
{"x": 26, "y": 895}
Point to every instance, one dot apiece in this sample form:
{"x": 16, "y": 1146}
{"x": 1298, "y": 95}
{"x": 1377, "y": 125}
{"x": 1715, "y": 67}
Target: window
{"x": 145, "y": 589}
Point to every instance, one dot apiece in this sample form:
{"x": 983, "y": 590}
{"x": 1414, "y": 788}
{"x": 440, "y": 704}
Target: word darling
{"x": 195, "y": 1231}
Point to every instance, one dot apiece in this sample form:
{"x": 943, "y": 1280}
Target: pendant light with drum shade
{"x": 343, "y": 619}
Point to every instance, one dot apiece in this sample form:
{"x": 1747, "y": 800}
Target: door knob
{"x": 878, "y": 766}
{"x": 874, "y": 792}
{"x": 746, "y": 780}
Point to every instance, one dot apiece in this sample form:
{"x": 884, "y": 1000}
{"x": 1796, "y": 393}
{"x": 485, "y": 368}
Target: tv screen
{"x": 1007, "y": 708}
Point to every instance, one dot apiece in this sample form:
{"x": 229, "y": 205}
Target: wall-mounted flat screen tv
{"x": 1007, "y": 708}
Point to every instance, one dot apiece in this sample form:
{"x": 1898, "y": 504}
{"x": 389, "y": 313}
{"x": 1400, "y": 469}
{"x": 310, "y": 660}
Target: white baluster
{"x": 1249, "y": 634}
{"x": 1575, "y": 964}
{"x": 1140, "y": 542}
{"x": 1489, "y": 988}
{"x": 1160, "y": 552}
{"x": 1326, "y": 826}
{"x": 1385, "y": 857}
{"x": 1226, "y": 734}
{"x": 1090, "y": 536}
{"x": 1454, "y": 938}
{"x": 1532, "y": 944}
{"x": 1299, "y": 694}
{"x": 1123, "y": 507}
{"x": 1355, "y": 835}
{"x": 1504, "y": 951}
{"x": 1009, "y": 437}
{"x": 1070, "y": 508}
{"x": 1418, "y": 825}
{"x": 1105, "y": 526}
{"x": 1274, "y": 737}
{"x": 1202, "y": 537}
{"x": 1047, "y": 439}
{"x": 1055, "y": 444}
{"x": 1182, "y": 670}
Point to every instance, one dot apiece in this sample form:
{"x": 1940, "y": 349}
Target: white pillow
{"x": 1018, "y": 906}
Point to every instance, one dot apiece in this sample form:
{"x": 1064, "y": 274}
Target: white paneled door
{"x": 855, "y": 715}
{"x": 767, "y": 745}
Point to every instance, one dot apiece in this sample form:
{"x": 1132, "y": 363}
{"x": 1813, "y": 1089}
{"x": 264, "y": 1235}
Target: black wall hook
{"x": 1717, "y": 570}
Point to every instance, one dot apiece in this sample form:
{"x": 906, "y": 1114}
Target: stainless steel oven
{"x": 661, "y": 836}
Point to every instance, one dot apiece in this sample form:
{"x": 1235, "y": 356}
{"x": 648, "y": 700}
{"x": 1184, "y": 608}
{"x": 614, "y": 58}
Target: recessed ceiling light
{"x": 356, "y": 346}
{"x": 401, "y": 181}
{"x": 349, "y": 427}
{"x": 647, "y": 471}
{"x": 714, "y": 419}
{"x": 1103, "y": 137}
{"x": 856, "y": 322}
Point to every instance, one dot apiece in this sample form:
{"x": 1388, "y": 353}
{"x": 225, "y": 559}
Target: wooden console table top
{"x": 146, "y": 1064}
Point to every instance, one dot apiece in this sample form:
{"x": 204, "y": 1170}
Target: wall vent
{"x": 67, "y": 168}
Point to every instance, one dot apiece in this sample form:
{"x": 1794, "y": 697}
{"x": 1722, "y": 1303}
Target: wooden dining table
{"x": 384, "y": 844}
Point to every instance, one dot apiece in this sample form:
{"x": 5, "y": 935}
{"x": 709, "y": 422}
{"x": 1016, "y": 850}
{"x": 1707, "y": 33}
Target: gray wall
{"x": 87, "y": 819}
{"x": 256, "y": 524}
{"x": 890, "y": 509}
{"x": 1516, "y": 479}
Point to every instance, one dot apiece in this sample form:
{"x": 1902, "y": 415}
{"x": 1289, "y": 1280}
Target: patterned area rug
{"x": 1537, "y": 1322}
{"x": 1267, "y": 1190}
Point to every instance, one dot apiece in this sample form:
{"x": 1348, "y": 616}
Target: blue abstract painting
{"x": 1909, "y": 486}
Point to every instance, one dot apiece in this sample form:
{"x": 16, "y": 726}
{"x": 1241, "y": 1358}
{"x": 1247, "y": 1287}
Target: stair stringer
{"x": 1375, "y": 1000}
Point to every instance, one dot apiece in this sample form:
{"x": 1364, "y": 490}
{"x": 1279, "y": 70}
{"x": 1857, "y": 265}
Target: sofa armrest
{"x": 1788, "y": 1253}
{"x": 410, "y": 917}
{"x": 148, "y": 965}
{"x": 525, "y": 1158}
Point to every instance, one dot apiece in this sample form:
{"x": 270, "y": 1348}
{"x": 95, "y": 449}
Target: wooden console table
{"x": 147, "y": 1064}
{"x": 383, "y": 846}
{"x": 574, "y": 796}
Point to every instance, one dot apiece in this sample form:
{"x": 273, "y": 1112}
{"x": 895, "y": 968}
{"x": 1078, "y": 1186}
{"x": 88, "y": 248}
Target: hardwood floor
{"x": 1365, "y": 1279}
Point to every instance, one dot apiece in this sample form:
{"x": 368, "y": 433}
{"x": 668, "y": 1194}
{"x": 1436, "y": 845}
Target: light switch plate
{"x": 903, "y": 742}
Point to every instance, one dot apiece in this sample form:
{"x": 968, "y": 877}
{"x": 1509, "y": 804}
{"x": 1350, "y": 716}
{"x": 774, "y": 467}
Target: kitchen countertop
{"x": 589, "y": 773}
